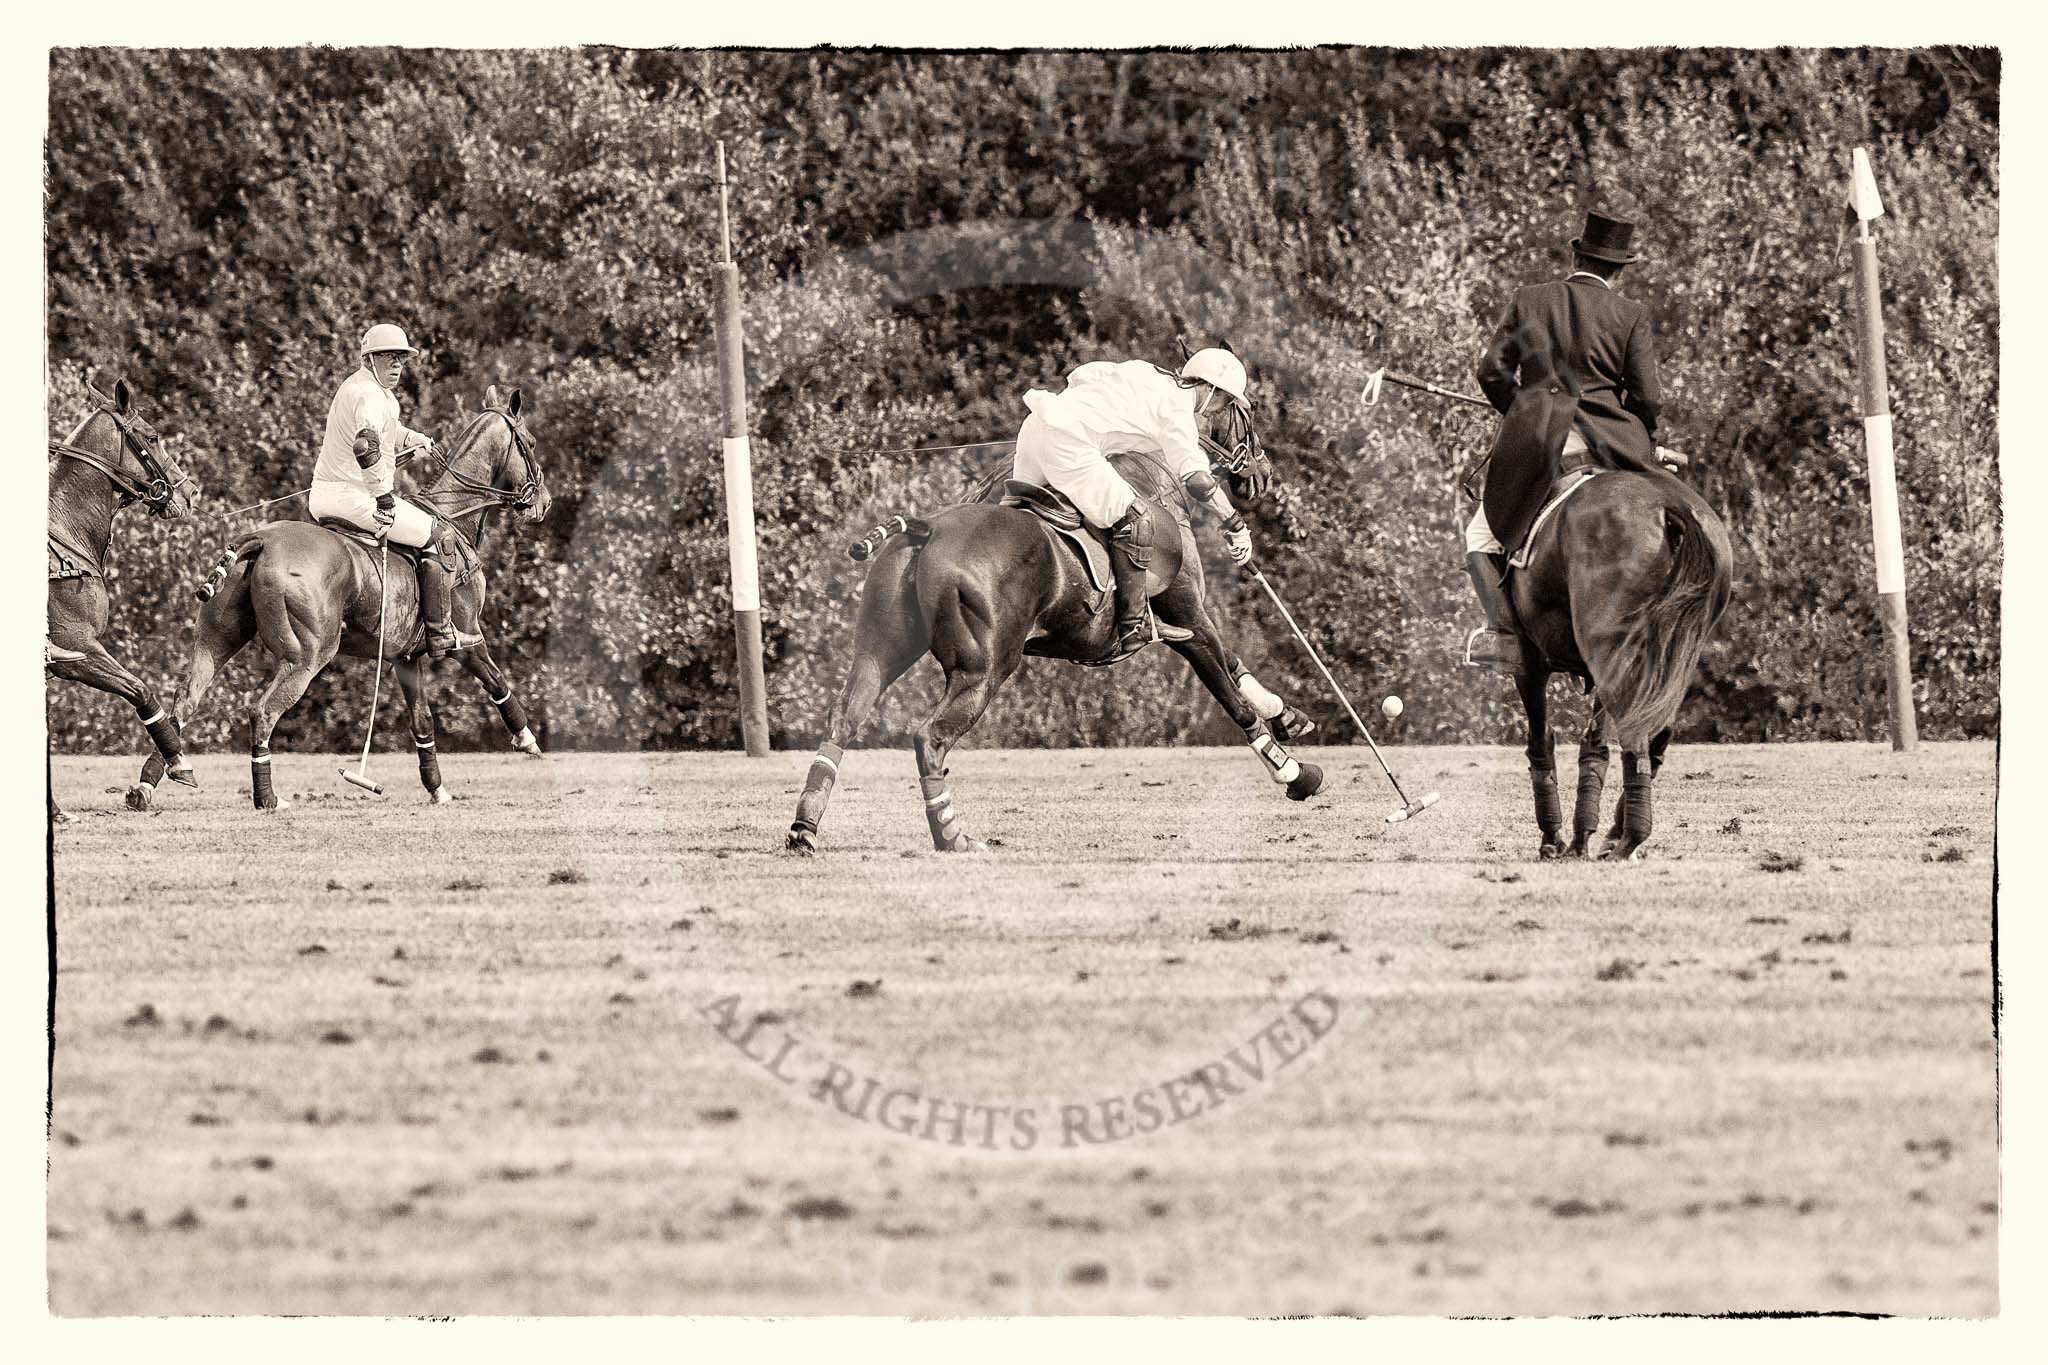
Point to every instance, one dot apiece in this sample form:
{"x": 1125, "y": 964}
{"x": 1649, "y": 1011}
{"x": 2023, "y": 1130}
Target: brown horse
{"x": 981, "y": 585}
{"x": 310, "y": 593}
{"x": 113, "y": 458}
{"x": 1626, "y": 580}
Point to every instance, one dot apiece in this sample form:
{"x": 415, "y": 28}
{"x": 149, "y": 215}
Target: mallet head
{"x": 354, "y": 780}
{"x": 1414, "y": 808}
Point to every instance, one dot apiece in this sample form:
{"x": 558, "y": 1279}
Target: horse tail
{"x": 237, "y": 550}
{"x": 1662, "y": 637}
{"x": 909, "y": 529}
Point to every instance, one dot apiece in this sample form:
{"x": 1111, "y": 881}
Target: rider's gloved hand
{"x": 385, "y": 513}
{"x": 1237, "y": 540}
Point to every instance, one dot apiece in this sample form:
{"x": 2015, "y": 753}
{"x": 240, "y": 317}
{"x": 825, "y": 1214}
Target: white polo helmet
{"x": 1214, "y": 365}
{"x": 385, "y": 337}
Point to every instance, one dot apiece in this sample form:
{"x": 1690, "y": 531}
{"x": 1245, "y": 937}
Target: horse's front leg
{"x": 1288, "y": 722}
{"x": 100, "y": 670}
{"x": 421, "y": 714}
{"x": 1213, "y": 664}
{"x": 479, "y": 664}
{"x": 1534, "y": 686}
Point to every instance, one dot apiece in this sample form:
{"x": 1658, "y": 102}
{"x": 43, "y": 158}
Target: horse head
{"x": 496, "y": 460}
{"x": 1239, "y": 457}
{"x": 115, "y": 439}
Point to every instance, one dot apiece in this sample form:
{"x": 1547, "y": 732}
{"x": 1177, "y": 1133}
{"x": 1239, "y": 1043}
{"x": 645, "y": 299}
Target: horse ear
{"x": 1222, "y": 345}
{"x": 124, "y": 397}
{"x": 515, "y": 402}
{"x": 491, "y": 396}
{"x": 1186, "y": 352}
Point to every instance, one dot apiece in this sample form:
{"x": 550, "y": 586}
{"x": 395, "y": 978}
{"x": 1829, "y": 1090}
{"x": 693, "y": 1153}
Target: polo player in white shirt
{"x": 358, "y": 464}
{"x": 1133, "y": 405}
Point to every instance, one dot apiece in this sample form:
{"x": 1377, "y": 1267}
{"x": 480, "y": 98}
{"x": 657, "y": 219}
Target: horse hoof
{"x": 966, "y": 843}
{"x": 439, "y": 797}
{"x": 1306, "y": 784}
{"x": 183, "y": 775}
{"x": 63, "y": 817}
{"x": 1550, "y": 852}
{"x": 275, "y": 807}
{"x": 138, "y": 796}
{"x": 528, "y": 745}
{"x": 801, "y": 843}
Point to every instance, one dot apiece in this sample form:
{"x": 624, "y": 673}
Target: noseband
{"x": 155, "y": 488}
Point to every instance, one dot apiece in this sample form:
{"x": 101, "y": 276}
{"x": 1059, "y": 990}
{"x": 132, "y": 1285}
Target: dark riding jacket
{"x": 1571, "y": 353}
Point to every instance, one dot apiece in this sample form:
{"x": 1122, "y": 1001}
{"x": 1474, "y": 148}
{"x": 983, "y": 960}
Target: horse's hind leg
{"x": 968, "y": 693}
{"x": 1633, "y": 817}
{"x": 278, "y": 695}
{"x": 1593, "y": 759}
{"x": 889, "y": 637}
{"x": 1634, "y": 812}
{"x": 978, "y": 653}
{"x": 1534, "y": 686}
{"x": 479, "y": 664}
{"x": 421, "y": 713}
{"x": 876, "y": 667}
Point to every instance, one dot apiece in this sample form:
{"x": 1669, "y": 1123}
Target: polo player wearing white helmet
{"x": 358, "y": 462}
{"x": 1134, "y": 405}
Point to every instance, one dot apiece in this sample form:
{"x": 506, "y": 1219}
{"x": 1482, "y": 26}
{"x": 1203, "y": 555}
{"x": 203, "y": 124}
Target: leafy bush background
{"x": 923, "y": 237}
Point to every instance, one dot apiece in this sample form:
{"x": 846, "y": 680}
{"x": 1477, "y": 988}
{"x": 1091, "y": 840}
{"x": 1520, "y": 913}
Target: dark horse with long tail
{"x": 1626, "y": 580}
{"x": 111, "y": 459}
{"x": 310, "y": 592}
{"x": 981, "y": 585}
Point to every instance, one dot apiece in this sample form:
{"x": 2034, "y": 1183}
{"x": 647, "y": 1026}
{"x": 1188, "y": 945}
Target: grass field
{"x": 557, "y": 1047}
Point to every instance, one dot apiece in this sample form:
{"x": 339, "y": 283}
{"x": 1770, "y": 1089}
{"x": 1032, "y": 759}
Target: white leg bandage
{"x": 1265, "y": 703}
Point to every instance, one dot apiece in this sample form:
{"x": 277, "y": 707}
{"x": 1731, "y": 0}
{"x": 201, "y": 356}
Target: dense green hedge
{"x": 923, "y": 237}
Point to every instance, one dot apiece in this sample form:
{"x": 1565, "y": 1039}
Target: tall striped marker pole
{"x": 739, "y": 490}
{"x": 1877, "y": 445}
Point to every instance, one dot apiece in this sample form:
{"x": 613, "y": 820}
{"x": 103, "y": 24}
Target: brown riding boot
{"x": 1130, "y": 556}
{"x": 1496, "y": 645}
{"x": 436, "y": 593}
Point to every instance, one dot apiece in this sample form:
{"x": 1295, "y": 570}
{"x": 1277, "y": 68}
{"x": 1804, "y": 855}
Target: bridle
{"x": 488, "y": 493}
{"x": 1239, "y": 454}
{"x": 156, "y": 486}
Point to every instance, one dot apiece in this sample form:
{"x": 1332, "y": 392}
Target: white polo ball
{"x": 1391, "y": 707}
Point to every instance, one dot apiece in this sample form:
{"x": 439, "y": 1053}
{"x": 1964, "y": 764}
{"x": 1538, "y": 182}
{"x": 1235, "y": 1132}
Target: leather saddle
{"x": 411, "y": 554}
{"x": 348, "y": 530}
{"x": 1064, "y": 521}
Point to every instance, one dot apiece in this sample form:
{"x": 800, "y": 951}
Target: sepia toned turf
{"x": 586, "y": 1041}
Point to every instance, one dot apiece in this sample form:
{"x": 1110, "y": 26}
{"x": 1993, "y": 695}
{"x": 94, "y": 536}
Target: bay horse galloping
{"x": 310, "y": 592}
{"x": 1626, "y": 580}
{"x": 111, "y": 459}
{"x": 981, "y": 585}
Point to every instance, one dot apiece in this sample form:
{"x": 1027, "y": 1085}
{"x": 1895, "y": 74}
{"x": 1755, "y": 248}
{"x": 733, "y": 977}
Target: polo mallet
{"x": 1369, "y": 396}
{"x": 1409, "y": 809}
{"x": 361, "y": 776}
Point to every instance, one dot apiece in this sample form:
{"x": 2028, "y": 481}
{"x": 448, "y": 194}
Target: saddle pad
{"x": 69, "y": 563}
{"x": 1094, "y": 555}
{"x": 1570, "y": 484}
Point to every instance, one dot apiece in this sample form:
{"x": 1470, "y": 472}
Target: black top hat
{"x": 1606, "y": 239}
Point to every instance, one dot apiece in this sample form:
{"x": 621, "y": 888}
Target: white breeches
{"x": 1479, "y": 537}
{"x": 1052, "y": 457}
{"x": 354, "y": 505}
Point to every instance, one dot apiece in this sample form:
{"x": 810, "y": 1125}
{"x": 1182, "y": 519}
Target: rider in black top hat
{"x": 1573, "y": 372}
